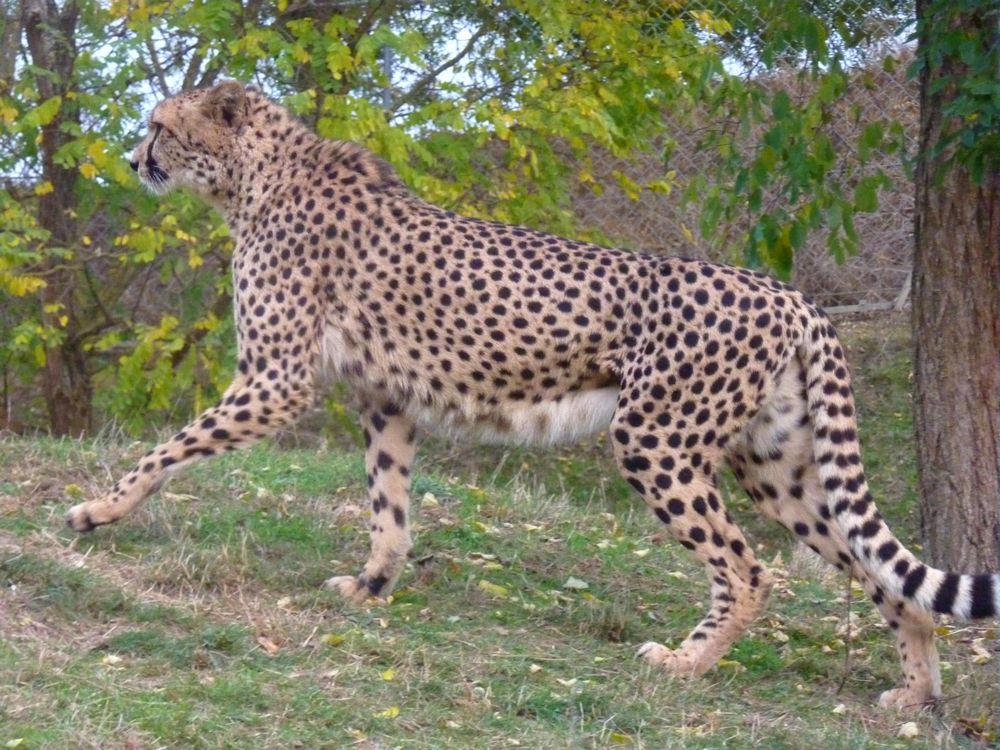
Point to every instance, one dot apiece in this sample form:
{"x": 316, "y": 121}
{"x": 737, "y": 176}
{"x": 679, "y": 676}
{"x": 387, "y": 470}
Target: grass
{"x": 200, "y": 621}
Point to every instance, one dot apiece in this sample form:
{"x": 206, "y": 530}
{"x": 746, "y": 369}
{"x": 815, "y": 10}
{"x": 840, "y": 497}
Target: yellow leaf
{"x": 98, "y": 151}
{"x": 89, "y": 171}
{"x": 86, "y": 240}
{"x": 44, "y": 188}
{"x": 492, "y": 589}
{"x": 730, "y": 664}
{"x": 389, "y": 675}
{"x": 390, "y": 713}
{"x": 333, "y": 639}
{"x": 19, "y": 286}
{"x": 618, "y": 738}
{"x": 63, "y": 320}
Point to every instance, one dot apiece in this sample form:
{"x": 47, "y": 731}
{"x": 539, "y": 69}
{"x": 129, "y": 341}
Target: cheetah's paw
{"x": 82, "y": 518}
{"x": 905, "y": 699}
{"x": 669, "y": 660}
{"x": 352, "y": 588}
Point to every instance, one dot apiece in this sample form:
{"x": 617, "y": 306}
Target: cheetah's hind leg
{"x": 773, "y": 461}
{"x": 683, "y": 495}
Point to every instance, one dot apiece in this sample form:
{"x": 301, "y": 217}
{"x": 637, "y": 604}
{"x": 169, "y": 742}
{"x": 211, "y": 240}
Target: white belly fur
{"x": 573, "y": 416}
{"x": 566, "y": 420}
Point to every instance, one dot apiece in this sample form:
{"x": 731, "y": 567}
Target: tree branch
{"x": 422, "y": 84}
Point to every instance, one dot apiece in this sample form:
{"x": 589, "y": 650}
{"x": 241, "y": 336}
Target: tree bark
{"x": 51, "y": 37}
{"x": 956, "y": 328}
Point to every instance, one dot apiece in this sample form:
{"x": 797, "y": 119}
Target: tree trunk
{"x": 956, "y": 328}
{"x": 51, "y": 36}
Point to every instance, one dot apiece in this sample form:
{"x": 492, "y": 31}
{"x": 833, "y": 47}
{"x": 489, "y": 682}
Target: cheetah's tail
{"x": 835, "y": 444}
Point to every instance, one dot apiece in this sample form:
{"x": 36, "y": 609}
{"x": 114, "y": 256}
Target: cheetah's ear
{"x": 226, "y": 103}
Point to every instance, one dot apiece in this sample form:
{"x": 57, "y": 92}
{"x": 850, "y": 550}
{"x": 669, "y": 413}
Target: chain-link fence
{"x": 878, "y": 274}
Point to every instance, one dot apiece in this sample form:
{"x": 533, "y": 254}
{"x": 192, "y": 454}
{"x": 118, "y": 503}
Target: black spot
{"x": 945, "y": 597}
{"x": 982, "y": 604}
{"x": 635, "y": 464}
{"x": 914, "y": 580}
{"x": 870, "y": 529}
{"x": 375, "y": 584}
{"x": 887, "y": 551}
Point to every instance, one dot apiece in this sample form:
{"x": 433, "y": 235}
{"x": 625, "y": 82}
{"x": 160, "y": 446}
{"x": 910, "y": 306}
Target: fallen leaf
{"x": 267, "y": 644}
{"x": 390, "y": 713}
{"x": 908, "y": 730}
{"x": 492, "y": 589}
{"x": 575, "y": 584}
{"x": 979, "y": 654}
{"x": 332, "y": 639}
{"x": 389, "y": 675}
{"x": 840, "y": 708}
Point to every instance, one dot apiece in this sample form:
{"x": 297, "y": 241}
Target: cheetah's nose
{"x": 135, "y": 165}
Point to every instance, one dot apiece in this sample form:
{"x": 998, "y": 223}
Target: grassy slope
{"x": 200, "y": 621}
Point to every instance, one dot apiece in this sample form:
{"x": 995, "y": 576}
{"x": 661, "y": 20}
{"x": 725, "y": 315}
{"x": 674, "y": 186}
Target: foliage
{"x": 961, "y": 40}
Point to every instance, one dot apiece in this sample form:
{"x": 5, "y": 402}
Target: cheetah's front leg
{"x": 250, "y": 410}
{"x": 388, "y": 456}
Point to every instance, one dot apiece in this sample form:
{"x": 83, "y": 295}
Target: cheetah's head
{"x": 192, "y": 140}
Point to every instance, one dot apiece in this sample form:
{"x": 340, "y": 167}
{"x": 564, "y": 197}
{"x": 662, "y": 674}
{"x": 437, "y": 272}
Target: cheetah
{"x": 442, "y": 322}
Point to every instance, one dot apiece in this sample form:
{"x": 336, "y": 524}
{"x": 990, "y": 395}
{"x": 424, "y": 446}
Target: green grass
{"x": 200, "y": 621}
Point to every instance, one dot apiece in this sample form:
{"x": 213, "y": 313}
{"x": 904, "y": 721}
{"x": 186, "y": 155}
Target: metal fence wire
{"x": 877, "y": 275}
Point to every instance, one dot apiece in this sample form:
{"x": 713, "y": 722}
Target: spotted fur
{"x": 508, "y": 334}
